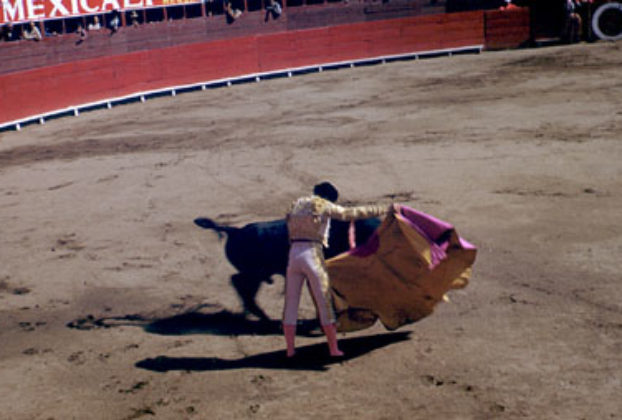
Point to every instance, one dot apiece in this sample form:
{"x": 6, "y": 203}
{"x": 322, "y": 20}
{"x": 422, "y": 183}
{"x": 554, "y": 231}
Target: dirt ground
{"x": 114, "y": 305}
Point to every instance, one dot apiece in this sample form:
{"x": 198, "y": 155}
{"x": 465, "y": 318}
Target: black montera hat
{"x": 326, "y": 190}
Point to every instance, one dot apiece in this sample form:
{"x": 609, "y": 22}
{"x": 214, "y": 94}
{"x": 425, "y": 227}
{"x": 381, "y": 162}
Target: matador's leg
{"x": 317, "y": 277}
{"x": 293, "y": 287}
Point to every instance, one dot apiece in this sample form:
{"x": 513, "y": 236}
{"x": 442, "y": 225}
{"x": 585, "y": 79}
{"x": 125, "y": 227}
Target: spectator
{"x": 32, "y": 33}
{"x": 585, "y": 12}
{"x": 134, "y": 18}
{"x": 273, "y": 8}
{"x": 232, "y": 13}
{"x": 209, "y": 7}
{"x": 82, "y": 34}
{"x": 508, "y": 5}
{"x": 115, "y": 21}
{"x": 8, "y": 33}
{"x": 95, "y": 25}
{"x": 48, "y": 32}
{"x": 572, "y": 22}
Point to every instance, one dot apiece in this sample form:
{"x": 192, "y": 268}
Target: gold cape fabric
{"x": 401, "y": 273}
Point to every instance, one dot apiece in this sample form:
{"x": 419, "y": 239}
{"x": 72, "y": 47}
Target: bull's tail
{"x": 206, "y": 223}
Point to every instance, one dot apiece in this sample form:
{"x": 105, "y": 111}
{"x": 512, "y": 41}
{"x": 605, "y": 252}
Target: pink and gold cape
{"x": 401, "y": 273}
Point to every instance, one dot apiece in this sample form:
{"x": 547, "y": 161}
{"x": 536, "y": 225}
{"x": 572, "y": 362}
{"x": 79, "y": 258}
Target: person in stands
{"x": 114, "y": 22}
{"x": 95, "y": 25}
{"x": 273, "y": 9}
{"x": 232, "y": 12}
{"x": 508, "y": 5}
{"x": 82, "y": 34}
{"x": 134, "y": 19}
{"x": 572, "y": 22}
{"x": 8, "y": 33}
{"x": 32, "y": 32}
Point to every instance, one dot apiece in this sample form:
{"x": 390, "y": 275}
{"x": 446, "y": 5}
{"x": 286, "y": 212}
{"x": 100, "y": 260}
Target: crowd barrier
{"x": 40, "y": 93}
{"x": 507, "y": 28}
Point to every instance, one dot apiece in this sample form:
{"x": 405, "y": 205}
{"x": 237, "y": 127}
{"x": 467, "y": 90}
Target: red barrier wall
{"x": 45, "y": 89}
{"x": 507, "y": 28}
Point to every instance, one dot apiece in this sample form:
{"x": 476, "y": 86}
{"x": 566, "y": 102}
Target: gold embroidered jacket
{"x": 309, "y": 217}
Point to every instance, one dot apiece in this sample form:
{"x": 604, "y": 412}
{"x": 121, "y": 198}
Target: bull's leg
{"x": 247, "y": 287}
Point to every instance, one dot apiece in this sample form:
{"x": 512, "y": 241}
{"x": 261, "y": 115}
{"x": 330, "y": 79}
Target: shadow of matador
{"x": 313, "y": 357}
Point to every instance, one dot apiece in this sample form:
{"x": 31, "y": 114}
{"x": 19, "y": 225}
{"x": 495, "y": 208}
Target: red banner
{"x": 33, "y": 10}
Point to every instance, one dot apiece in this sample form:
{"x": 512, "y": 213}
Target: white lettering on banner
{"x": 128, "y": 4}
{"x": 84, "y": 4}
{"x": 11, "y": 10}
{"x": 23, "y": 10}
{"x": 113, "y": 3}
{"x": 58, "y": 8}
{"x": 33, "y": 8}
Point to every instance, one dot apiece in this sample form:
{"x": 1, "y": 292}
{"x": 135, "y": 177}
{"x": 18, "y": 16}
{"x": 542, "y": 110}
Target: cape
{"x": 400, "y": 273}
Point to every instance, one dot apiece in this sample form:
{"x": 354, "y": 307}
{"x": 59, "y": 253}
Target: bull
{"x": 260, "y": 250}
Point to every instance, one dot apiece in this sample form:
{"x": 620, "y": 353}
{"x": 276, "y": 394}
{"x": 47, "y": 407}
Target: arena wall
{"x": 40, "y": 90}
{"x": 507, "y": 28}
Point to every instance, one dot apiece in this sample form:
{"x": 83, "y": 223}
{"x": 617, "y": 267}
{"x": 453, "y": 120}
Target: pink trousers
{"x": 306, "y": 262}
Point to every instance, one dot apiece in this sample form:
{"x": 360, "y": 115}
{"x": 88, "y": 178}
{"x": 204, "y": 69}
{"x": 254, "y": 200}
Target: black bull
{"x": 259, "y": 250}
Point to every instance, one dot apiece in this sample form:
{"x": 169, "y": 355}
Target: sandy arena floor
{"x": 103, "y": 273}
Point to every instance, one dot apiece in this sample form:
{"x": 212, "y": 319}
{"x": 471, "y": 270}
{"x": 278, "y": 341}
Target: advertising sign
{"x": 34, "y": 10}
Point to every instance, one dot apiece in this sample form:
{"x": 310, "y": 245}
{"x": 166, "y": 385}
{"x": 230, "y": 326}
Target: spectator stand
{"x": 182, "y": 23}
{"x": 206, "y": 9}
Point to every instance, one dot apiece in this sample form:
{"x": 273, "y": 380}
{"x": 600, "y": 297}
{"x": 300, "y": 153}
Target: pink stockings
{"x": 290, "y": 337}
{"x": 306, "y": 262}
{"x": 331, "y": 337}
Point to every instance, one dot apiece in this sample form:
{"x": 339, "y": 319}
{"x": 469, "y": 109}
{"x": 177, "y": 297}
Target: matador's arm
{"x": 354, "y": 213}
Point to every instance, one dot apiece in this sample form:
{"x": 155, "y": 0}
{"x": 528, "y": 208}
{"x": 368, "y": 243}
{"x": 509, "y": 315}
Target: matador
{"x": 308, "y": 224}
